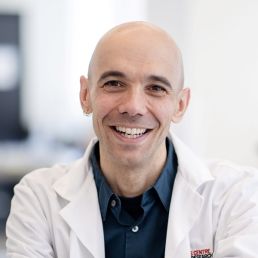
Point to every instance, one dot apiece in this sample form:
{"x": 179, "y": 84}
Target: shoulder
{"x": 230, "y": 173}
{"x": 42, "y": 182}
{"x": 233, "y": 184}
{"x": 45, "y": 176}
{"x": 49, "y": 176}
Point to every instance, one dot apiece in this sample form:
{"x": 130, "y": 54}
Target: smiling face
{"x": 134, "y": 94}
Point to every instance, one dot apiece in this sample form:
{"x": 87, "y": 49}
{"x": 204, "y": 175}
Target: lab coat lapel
{"x": 186, "y": 201}
{"x": 184, "y": 210}
{"x": 83, "y": 216}
{"x": 82, "y": 213}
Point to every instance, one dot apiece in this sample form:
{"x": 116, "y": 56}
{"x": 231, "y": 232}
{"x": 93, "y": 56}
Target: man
{"x": 138, "y": 191}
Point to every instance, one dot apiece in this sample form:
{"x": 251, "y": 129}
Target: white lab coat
{"x": 214, "y": 209}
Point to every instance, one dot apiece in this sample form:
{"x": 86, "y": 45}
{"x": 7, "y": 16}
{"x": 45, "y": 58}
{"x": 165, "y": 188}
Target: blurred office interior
{"x": 46, "y": 45}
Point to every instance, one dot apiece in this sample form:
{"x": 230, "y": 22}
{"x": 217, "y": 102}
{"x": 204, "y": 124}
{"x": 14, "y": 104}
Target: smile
{"x": 130, "y": 133}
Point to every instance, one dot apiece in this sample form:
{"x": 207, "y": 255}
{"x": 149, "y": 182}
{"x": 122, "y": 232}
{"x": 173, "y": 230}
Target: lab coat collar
{"x": 82, "y": 212}
{"x": 192, "y": 168}
{"x": 186, "y": 202}
{"x": 185, "y": 208}
{"x": 79, "y": 174}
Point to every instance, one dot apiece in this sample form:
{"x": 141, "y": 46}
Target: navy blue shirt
{"x": 136, "y": 227}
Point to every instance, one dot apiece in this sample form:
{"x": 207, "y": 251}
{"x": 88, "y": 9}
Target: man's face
{"x": 133, "y": 94}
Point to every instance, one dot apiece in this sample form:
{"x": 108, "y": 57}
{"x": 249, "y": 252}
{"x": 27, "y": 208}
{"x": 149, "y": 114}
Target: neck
{"x": 133, "y": 180}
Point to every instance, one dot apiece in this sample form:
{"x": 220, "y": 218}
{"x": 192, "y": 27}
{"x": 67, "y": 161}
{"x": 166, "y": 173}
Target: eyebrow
{"x": 161, "y": 79}
{"x": 156, "y": 78}
{"x": 111, "y": 73}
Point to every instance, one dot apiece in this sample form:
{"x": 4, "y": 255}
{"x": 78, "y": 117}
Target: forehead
{"x": 137, "y": 52}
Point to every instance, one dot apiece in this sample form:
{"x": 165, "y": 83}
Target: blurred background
{"x": 45, "y": 46}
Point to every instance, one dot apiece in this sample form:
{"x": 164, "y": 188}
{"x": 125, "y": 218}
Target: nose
{"x": 133, "y": 103}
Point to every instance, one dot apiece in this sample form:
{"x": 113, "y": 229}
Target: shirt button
{"x": 113, "y": 203}
{"x": 135, "y": 229}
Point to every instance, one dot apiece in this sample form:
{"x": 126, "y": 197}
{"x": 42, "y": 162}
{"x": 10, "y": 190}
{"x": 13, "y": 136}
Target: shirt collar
{"x": 165, "y": 182}
{"x": 104, "y": 191}
{"x": 163, "y": 186}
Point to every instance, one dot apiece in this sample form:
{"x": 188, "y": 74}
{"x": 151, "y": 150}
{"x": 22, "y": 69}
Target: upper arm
{"x": 237, "y": 232}
{"x": 27, "y": 230}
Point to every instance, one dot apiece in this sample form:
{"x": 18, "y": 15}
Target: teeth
{"x": 131, "y": 132}
{"x": 128, "y": 131}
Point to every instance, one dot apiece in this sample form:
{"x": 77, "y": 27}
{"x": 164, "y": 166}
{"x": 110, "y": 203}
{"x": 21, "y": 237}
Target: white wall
{"x": 44, "y": 90}
{"x": 225, "y": 68}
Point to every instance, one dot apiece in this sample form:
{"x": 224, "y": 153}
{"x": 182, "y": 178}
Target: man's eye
{"x": 113, "y": 84}
{"x": 157, "y": 89}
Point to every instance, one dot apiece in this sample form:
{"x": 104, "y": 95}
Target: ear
{"x": 183, "y": 98}
{"x": 85, "y": 95}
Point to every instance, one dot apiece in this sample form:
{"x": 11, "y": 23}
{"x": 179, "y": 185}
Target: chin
{"x": 130, "y": 161}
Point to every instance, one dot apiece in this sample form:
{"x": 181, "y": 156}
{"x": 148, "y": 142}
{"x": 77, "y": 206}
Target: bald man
{"x": 138, "y": 191}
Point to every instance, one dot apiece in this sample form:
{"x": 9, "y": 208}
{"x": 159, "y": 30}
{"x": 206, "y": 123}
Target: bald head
{"x": 146, "y": 42}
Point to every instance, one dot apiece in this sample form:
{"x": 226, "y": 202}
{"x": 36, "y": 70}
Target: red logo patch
{"x": 201, "y": 253}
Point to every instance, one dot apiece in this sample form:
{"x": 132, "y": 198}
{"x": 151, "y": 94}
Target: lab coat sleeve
{"x": 237, "y": 231}
{"x": 27, "y": 230}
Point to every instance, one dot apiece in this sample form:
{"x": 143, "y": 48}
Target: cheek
{"x": 164, "y": 111}
{"x": 102, "y": 106}
{"x": 98, "y": 102}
